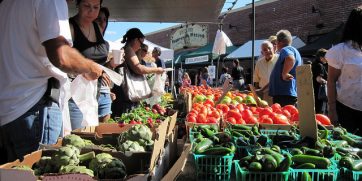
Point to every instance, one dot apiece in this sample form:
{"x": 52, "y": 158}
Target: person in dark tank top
{"x": 88, "y": 40}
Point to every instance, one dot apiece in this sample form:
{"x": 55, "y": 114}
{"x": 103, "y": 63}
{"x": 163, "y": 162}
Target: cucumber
{"x": 306, "y": 166}
{"x": 276, "y": 148}
{"x": 240, "y": 126}
{"x": 203, "y": 145}
{"x": 306, "y": 177}
{"x": 357, "y": 165}
{"x": 346, "y": 162}
{"x": 296, "y": 151}
{"x": 277, "y": 156}
{"x": 269, "y": 163}
{"x": 285, "y": 164}
{"x": 255, "y": 167}
{"x": 218, "y": 150}
{"x": 320, "y": 162}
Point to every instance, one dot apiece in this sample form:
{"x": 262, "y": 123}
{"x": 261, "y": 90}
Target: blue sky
{"x": 116, "y": 30}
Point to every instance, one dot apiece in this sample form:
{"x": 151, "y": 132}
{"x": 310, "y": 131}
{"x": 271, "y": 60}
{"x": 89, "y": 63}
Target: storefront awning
{"x": 161, "y": 10}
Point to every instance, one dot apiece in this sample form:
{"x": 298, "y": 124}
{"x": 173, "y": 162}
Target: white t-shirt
{"x": 263, "y": 70}
{"x": 349, "y": 83}
{"x": 24, "y": 65}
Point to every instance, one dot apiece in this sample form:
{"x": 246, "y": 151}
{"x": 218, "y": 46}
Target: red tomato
{"x": 292, "y": 109}
{"x": 280, "y": 119}
{"x": 251, "y": 120}
{"x": 265, "y": 111}
{"x": 254, "y": 110}
{"x": 276, "y": 106}
{"x": 191, "y": 119}
{"x": 240, "y": 121}
{"x": 223, "y": 107}
{"x": 246, "y": 114}
{"x": 231, "y": 120}
{"x": 201, "y": 118}
{"x": 132, "y": 122}
{"x": 323, "y": 119}
{"x": 286, "y": 113}
{"x": 209, "y": 102}
{"x": 295, "y": 117}
{"x": 203, "y": 110}
{"x": 214, "y": 114}
{"x": 265, "y": 119}
{"x": 240, "y": 107}
{"x": 234, "y": 114}
{"x": 211, "y": 120}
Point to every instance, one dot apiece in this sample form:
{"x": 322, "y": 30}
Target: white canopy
{"x": 161, "y": 10}
{"x": 166, "y": 54}
{"x": 244, "y": 51}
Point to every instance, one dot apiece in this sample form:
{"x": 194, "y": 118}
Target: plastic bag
{"x": 84, "y": 94}
{"x": 158, "y": 88}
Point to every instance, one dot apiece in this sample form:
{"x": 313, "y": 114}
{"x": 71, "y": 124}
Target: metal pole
{"x": 253, "y": 41}
{"x": 172, "y": 75}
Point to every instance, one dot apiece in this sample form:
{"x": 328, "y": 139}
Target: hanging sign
{"x": 199, "y": 59}
{"x": 189, "y": 36}
{"x": 212, "y": 71}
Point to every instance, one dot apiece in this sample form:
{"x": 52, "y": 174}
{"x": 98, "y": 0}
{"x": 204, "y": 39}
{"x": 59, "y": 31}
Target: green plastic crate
{"x": 272, "y": 131}
{"x": 357, "y": 175}
{"x": 330, "y": 174}
{"x": 245, "y": 175}
{"x": 213, "y": 167}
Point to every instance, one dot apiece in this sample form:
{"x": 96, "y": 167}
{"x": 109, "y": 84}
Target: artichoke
{"x": 76, "y": 141}
{"x": 138, "y": 133}
{"x": 70, "y": 155}
{"x": 45, "y": 165}
{"x": 76, "y": 169}
{"x": 22, "y": 167}
{"x": 131, "y": 146}
{"x": 107, "y": 167}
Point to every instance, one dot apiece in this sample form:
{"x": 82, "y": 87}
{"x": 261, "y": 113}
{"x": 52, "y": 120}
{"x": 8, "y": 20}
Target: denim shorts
{"x": 76, "y": 116}
{"x": 104, "y": 104}
{"x": 41, "y": 124}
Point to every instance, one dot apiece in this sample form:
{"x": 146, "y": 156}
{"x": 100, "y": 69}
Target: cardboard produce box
{"x": 139, "y": 165}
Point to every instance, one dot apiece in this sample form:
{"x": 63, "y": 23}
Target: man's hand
{"x": 96, "y": 72}
{"x": 287, "y": 77}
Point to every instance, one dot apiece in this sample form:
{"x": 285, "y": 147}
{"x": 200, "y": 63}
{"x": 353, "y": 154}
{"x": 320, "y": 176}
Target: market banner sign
{"x": 199, "y": 59}
{"x": 189, "y": 36}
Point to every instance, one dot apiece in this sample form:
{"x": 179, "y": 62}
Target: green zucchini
{"x": 269, "y": 163}
{"x": 320, "y": 162}
{"x": 240, "y": 126}
{"x": 306, "y": 177}
{"x": 306, "y": 166}
{"x": 357, "y": 165}
{"x": 255, "y": 167}
{"x": 296, "y": 151}
{"x": 285, "y": 164}
{"x": 203, "y": 145}
{"x": 218, "y": 150}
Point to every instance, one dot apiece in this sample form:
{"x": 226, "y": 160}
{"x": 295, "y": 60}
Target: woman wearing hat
{"x": 133, "y": 40}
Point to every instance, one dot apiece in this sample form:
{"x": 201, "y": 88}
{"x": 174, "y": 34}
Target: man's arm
{"x": 69, "y": 59}
{"x": 288, "y": 65}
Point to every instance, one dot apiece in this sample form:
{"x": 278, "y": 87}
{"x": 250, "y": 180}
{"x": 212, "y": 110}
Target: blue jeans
{"x": 76, "y": 116}
{"x": 239, "y": 84}
{"x": 41, "y": 124}
{"x": 104, "y": 104}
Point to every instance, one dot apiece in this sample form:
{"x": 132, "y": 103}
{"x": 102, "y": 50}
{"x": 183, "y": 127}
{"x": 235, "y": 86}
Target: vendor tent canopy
{"x": 166, "y": 54}
{"x": 244, "y": 51}
{"x": 326, "y": 41}
{"x": 161, "y": 10}
{"x": 201, "y": 53}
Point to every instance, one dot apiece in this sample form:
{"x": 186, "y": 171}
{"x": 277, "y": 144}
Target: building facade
{"x": 307, "y": 19}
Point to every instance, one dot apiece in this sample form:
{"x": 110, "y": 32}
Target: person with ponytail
{"x": 133, "y": 40}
